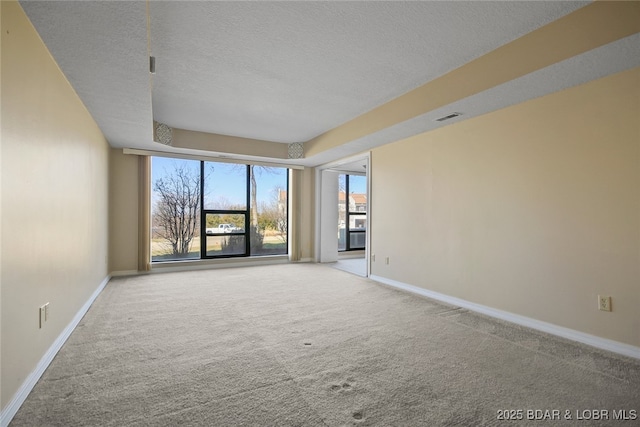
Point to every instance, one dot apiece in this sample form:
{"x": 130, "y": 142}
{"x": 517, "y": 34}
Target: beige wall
{"x": 123, "y": 212}
{"x": 533, "y": 209}
{"x": 54, "y": 200}
{"x": 307, "y": 214}
{"x": 228, "y": 144}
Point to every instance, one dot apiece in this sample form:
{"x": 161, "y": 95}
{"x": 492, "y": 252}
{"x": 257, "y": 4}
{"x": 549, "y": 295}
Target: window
{"x": 203, "y": 209}
{"x": 269, "y": 210}
{"x": 226, "y": 217}
{"x": 175, "y": 209}
{"x": 352, "y": 212}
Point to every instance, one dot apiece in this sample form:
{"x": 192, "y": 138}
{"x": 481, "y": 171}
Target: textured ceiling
{"x": 102, "y": 49}
{"x": 290, "y": 71}
{"x": 618, "y": 56}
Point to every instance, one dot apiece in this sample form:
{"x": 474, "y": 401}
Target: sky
{"x": 225, "y": 181}
{"x": 357, "y": 184}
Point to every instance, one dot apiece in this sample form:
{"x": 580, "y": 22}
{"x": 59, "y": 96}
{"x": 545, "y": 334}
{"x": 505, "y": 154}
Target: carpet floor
{"x": 310, "y": 345}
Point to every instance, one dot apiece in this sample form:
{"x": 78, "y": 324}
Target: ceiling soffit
{"x": 290, "y": 71}
{"x": 343, "y": 76}
{"x": 567, "y": 37}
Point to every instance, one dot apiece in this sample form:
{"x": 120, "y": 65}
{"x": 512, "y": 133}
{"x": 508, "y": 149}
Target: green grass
{"x": 161, "y": 250}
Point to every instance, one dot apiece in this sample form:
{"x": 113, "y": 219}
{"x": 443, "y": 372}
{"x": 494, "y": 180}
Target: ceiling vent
{"x": 450, "y": 116}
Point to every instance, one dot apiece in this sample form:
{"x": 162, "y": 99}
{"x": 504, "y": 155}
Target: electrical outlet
{"x": 604, "y": 303}
{"x": 43, "y": 314}
{"x": 373, "y": 257}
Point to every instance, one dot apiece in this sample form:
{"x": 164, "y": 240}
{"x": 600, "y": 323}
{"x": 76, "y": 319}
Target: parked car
{"x": 222, "y": 228}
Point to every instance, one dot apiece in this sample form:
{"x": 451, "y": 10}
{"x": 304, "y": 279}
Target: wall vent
{"x": 450, "y": 116}
{"x": 296, "y": 150}
{"x": 162, "y": 133}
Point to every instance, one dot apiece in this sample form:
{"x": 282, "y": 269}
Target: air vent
{"x": 162, "y": 133}
{"x": 450, "y": 116}
{"x": 296, "y": 150}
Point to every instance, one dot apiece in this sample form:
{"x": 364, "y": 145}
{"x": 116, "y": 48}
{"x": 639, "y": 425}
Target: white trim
{"x": 21, "y": 395}
{"x": 336, "y": 166}
{"x": 205, "y": 264}
{"x": 367, "y": 247}
{"x": 571, "y": 334}
{"x": 222, "y": 158}
{"x": 318, "y": 201}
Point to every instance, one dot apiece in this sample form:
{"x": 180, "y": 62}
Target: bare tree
{"x": 256, "y": 234}
{"x": 178, "y": 207}
{"x": 278, "y": 204}
{"x": 254, "y": 199}
{"x": 253, "y": 171}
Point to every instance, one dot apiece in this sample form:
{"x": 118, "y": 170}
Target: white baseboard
{"x": 122, "y": 273}
{"x": 550, "y": 328}
{"x": 11, "y": 409}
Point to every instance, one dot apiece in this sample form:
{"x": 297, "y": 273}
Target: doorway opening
{"x": 342, "y": 203}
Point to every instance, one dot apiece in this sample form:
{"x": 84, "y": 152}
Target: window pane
{"x": 175, "y": 209}
{"x": 342, "y": 239}
{"x": 342, "y": 212}
{"x": 357, "y": 193}
{"x": 357, "y": 222}
{"x": 357, "y": 240}
{"x": 232, "y": 244}
{"x": 225, "y": 186}
{"x": 227, "y": 223}
{"x": 268, "y": 211}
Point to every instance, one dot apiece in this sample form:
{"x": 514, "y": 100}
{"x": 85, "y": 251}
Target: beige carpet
{"x": 309, "y": 345}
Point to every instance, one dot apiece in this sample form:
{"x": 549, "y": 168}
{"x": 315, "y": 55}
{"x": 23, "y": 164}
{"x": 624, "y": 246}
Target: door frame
{"x": 322, "y": 201}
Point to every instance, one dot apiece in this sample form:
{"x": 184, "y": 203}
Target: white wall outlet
{"x": 604, "y": 303}
{"x": 373, "y": 257}
{"x": 43, "y": 314}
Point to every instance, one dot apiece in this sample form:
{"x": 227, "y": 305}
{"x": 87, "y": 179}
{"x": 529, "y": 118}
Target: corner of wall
{"x": 47, "y": 130}
{"x": 123, "y": 211}
{"x": 1, "y": 168}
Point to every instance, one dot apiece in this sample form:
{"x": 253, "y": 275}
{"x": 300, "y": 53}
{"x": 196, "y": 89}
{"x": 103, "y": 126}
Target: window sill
{"x": 202, "y": 264}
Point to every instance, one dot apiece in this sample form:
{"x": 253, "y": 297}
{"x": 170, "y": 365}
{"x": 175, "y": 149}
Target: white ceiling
{"x": 102, "y": 49}
{"x": 289, "y": 71}
{"x": 283, "y": 71}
